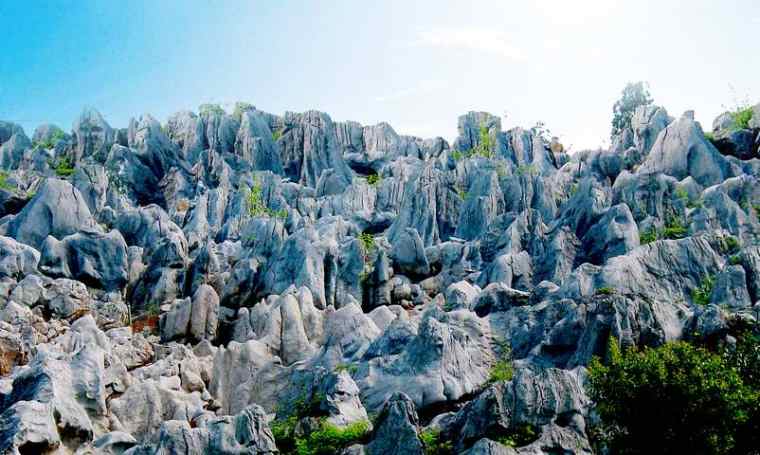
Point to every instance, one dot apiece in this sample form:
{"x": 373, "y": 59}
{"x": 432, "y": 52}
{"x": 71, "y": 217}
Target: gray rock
{"x": 397, "y": 428}
{"x": 16, "y": 259}
{"x": 58, "y": 209}
{"x": 98, "y": 260}
{"x": 92, "y": 135}
{"x": 681, "y": 150}
{"x": 408, "y": 253}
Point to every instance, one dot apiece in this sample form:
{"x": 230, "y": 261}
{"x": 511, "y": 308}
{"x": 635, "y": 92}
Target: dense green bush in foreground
{"x": 679, "y": 398}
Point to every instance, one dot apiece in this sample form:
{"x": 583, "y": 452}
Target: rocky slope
{"x": 186, "y": 287}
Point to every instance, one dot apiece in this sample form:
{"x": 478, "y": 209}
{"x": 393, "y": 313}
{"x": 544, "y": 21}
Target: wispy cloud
{"x": 421, "y": 88}
{"x": 474, "y": 39}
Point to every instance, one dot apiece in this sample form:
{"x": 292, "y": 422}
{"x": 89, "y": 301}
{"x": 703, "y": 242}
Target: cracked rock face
{"x": 188, "y": 287}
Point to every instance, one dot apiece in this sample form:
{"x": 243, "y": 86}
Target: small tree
{"x": 634, "y": 94}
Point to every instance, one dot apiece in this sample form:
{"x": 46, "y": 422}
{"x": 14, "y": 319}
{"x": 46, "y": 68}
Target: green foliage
{"x": 63, "y": 166}
{"x": 741, "y": 117}
{"x": 526, "y": 169}
{"x": 648, "y": 236}
{"x": 756, "y": 208}
{"x": 254, "y": 200}
{"x": 634, "y": 94}
{"x": 605, "y": 290}
{"x": 519, "y": 436}
{"x": 4, "y": 183}
{"x": 502, "y": 369}
{"x": 153, "y": 309}
{"x": 374, "y": 179}
{"x": 682, "y": 194}
{"x": 461, "y": 192}
{"x": 735, "y": 259}
{"x": 709, "y": 136}
{"x": 283, "y": 431}
{"x": 368, "y": 243}
{"x": 701, "y": 295}
{"x": 210, "y": 109}
{"x": 277, "y": 134}
{"x": 729, "y": 244}
{"x": 486, "y": 144}
{"x": 350, "y": 368}
{"x": 329, "y": 439}
{"x": 433, "y": 444}
{"x": 241, "y": 107}
{"x": 57, "y": 136}
{"x": 673, "y": 399}
{"x": 674, "y": 229}
{"x": 456, "y": 155}
{"x": 255, "y": 205}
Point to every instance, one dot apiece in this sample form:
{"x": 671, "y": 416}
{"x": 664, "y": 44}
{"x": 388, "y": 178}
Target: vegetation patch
{"x": 368, "y": 243}
{"x": 434, "y": 444}
{"x": 63, "y": 166}
{"x": 701, "y": 295}
{"x": 677, "y": 398}
{"x": 209, "y": 109}
{"x": 374, "y": 179}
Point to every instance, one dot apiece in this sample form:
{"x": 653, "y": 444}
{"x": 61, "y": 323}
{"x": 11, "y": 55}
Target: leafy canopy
{"x": 634, "y": 94}
{"x": 677, "y": 398}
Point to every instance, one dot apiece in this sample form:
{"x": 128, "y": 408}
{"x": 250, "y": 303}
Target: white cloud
{"x": 423, "y": 87}
{"x": 471, "y": 39}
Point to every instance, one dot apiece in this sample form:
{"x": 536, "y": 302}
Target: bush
{"x": 741, "y": 117}
{"x": 634, "y": 94}
{"x": 63, "y": 167}
{"x": 373, "y": 179}
{"x": 605, "y": 290}
{"x": 456, "y": 155}
{"x": 210, "y": 109}
{"x": 674, "y": 229}
{"x": 701, "y": 295}
{"x": 330, "y": 439}
{"x": 526, "y": 169}
{"x": 4, "y": 184}
{"x": 241, "y": 107}
{"x": 368, "y": 243}
{"x": 277, "y": 134}
{"x": 730, "y": 244}
{"x": 502, "y": 369}
{"x": 648, "y": 236}
{"x": 519, "y": 436}
{"x": 673, "y": 399}
{"x": 433, "y": 444}
{"x": 57, "y": 136}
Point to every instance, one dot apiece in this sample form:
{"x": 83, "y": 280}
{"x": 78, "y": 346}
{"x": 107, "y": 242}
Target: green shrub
{"x": 57, "y": 136}
{"x": 210, "y": 109}
{"x": 486, "y": 145}
{"x": 701, "y": 295}
{"x": 329, "y": 439}
{"x": 277, "y": 134}
{"x": 709, "y": 136}
{"x": 283, "y": 431}
{"x": 368, "y": 243}
{"x": 526, "y": 169}
{"x": 735, "y": 259}
{"x": 682, "y": 194}
{"x": 350, "y": 368}
{"x": 255, "y": 201}
{"x": 4, "y": 184}
{"x": 374, "y": 179}
{"x": 673, "y": 399}
{"x": 605, "y": 290}
{"x": 674, "y": 229}
{"x": 63, "y": 166}
{"x": 456, "y": 155}
{"x": 741, "y": 117}
{"x": 648, "y": 236}
{"x": 634, "y": 94}
{"x": 433, "y": 444}
{"x": 519, "y": 436}
{"x": 502, "y": 369}
{"x": 730, "y": 244}
{"x": 241, "y": 107}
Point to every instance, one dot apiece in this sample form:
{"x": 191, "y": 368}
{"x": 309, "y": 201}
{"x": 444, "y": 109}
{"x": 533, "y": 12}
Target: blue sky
{"x": 416, "y": 66}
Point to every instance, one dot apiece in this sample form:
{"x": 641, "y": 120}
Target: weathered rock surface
{"x": 191, "y": 287}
